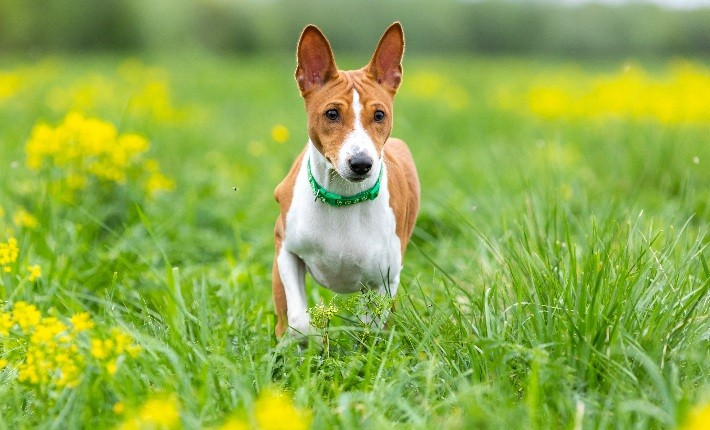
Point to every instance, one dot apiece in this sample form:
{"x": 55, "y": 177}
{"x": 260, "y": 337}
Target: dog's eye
{"x": 332, "y": 114}
{"x": 379, "y": 116}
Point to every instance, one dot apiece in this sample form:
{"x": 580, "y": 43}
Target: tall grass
{"x": 557, "y": 278}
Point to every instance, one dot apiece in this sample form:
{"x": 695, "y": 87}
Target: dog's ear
{"x": 386, "y": 64}
{"x": 315, "y": 60}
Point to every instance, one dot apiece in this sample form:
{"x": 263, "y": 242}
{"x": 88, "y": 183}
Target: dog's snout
{"x": 360, "y": 163}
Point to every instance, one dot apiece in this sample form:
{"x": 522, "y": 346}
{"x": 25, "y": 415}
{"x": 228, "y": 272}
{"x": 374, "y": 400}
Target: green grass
{"x": 558, "y": 276}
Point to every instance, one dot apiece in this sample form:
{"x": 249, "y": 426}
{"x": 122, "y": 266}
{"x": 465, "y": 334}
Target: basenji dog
{"x": 349, "y": 203}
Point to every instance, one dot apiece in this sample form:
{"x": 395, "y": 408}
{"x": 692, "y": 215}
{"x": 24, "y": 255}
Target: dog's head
{"x": 349, "y": 112}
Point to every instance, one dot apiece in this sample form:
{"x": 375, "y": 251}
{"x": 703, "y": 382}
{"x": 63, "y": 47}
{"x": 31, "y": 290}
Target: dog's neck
{"x": 328, "y": 177}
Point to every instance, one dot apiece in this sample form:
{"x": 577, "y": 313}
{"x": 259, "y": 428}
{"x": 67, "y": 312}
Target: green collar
{"x": 336, "y": 199}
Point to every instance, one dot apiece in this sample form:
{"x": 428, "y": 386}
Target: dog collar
{"x": 334, "y": 199}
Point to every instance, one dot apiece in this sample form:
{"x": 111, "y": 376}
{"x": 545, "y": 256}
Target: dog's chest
{"x": 344, "y": 248}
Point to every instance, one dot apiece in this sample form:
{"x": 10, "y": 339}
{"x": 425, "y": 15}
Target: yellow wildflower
{"x": 124, "y": 343}
{"x": 698, "y": 419}
{"x": 24, "y": 219}
{"x": 156, "y": 181}
{"x": 279, "y": 133}
{"x": 118, "y": 408}
{"x": 234, "y": 423}
{"x": 49, "y": 353}
{"x": 681, "y": 95}
{"x": 109, "y": 350}
{"x": 275, "y": 411}
{"x": 6, "y": 323}
{"x": 160, "y": 412}
{"x": 25, "y": 315}
{"x": 154, "y": 99}
{"x": 3, "y": 363}
{"x": 46, "y": 331}
{"x": 111, "y": 367}
{"x": 101, "y": 348}
{"x": 35, "y": 272}
{"x": 81, "y": 149}
{"x": 8, "y": 254}
{"x": 81, "y": 322}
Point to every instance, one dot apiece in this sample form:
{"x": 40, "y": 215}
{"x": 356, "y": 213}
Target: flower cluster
{"x": 681, "y": 95}
{"x": 11, "y": 257}
{"x": 144, "y": 92}
{"x": 9, "y": 251}
{"x": 273, "y": 410}
{"x": 159, "y": 412}
{"x": 110, "y": 350}
{"x": 47, "y": 351}
{"x": 321, "y": 314}
{"x": 82, "y": 149}
{"x": 698, "y": 418}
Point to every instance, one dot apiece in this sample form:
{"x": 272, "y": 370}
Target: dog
{"x": 350, "y": 200}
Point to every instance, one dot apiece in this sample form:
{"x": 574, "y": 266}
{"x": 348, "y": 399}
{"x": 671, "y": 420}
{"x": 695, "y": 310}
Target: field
{"x": 558, "y": 275}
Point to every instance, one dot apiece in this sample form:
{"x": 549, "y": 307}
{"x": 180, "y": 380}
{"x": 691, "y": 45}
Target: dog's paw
{"x": 300, "y": 325}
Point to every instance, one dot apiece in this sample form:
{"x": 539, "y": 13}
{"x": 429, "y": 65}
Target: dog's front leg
{"x": 292, "y": 271}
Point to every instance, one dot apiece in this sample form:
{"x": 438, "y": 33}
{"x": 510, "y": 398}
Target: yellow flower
{"x": 22, "y": 218}
{"x": 158, "y": 182}
{"x": 110, "y": 350}
{"x": 124, "y": 343}
{"x": 234, "y": 423}
{"x": 6, "y": 323}
{"x": 698, "y": 418}
{"x": 8, "y": 254}
{"x": 279, "y": 133}
{"x": 111, "y": 367}
{"x": 35, "y": 272}
{"x": 681, "y": 95}
{"x": 275, "y": 411}
{"x": 25, "y": 315}
{"x": 81, "y": 149}
{"x": 163, "y": 412}
{"x": 156, "y": 413}
{"x": 46, "y": 331}
{"x": 118, "y": 408}
{"x": 101, "y": 348}
{"x": 81, "y": 322}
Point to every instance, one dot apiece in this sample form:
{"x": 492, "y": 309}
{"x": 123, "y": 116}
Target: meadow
{"x": 558, "y": 275}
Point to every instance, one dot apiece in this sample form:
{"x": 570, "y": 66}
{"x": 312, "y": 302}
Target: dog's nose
{"x": 360, "y": 163}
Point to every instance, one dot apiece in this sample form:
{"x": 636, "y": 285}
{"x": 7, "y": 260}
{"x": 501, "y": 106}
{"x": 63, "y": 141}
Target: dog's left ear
{"x": 386, "y": 64}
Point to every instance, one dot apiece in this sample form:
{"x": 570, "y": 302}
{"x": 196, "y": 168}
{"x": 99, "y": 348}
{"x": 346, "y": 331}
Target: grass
{"x": 557, "y": 278}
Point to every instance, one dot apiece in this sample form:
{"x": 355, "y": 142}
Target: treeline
{"x": 248, "y": 26}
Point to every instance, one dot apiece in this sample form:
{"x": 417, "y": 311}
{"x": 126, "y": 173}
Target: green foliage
{"x": 558, "y": 274}
{"x": 491, "y": 26}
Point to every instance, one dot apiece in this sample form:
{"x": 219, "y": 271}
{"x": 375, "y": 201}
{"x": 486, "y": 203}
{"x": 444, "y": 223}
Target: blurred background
{"x": 572, "y": 28}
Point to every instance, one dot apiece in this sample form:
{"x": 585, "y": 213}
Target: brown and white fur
{"x": 351, "y": 247}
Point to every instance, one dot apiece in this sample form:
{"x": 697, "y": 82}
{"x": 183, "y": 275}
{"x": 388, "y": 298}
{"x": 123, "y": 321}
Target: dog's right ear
{"x": 315, "y": 60}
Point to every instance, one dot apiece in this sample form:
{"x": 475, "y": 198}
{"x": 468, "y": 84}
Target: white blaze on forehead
{"x": 357, "y": 140}
{"x": 357, "y": 109}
